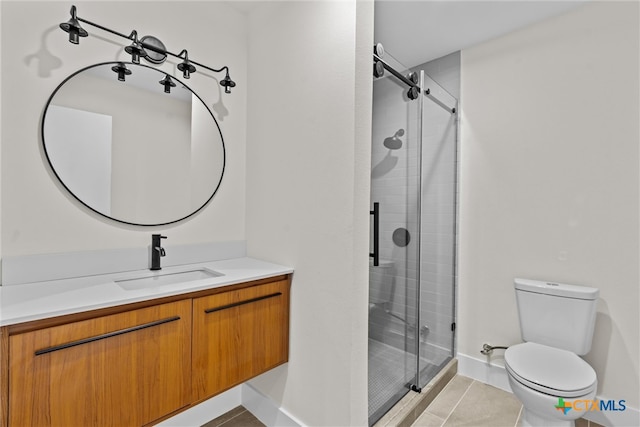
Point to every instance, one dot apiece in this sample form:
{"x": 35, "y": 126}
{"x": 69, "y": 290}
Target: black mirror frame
{"x": 44, "y": 146}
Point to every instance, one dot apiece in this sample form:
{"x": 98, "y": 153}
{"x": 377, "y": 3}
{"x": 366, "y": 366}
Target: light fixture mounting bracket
{"x": 154, "y": 56}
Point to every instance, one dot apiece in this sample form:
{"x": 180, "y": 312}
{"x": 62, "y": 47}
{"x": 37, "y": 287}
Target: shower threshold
{"x": 386, "y": 387}
{"x": 409, "y": 407}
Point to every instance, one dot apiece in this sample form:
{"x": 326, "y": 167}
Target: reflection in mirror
{"x": 129, "y": 150}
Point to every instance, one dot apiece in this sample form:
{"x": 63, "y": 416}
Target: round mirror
{"x": 132, "y": 147}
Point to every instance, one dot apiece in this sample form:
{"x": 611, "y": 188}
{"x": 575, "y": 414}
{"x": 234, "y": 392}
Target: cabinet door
{"x": 238, "y": 335}
{"x": 126, "y": 369}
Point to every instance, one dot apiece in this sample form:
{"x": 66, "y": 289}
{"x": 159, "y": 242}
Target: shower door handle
{"x": 376, "y": 234}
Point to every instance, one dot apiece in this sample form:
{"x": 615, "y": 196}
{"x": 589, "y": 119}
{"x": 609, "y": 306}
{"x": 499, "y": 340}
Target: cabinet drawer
{"x": 238, "y": 335}
{"x": 123, "y": 369}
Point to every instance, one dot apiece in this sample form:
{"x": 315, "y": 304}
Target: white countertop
{"x": 34, "y": 301}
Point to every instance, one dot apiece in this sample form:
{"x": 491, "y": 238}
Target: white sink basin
{"x": 158, "y": 279}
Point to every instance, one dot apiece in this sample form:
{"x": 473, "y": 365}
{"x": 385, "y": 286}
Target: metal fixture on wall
{"x": 148, "y": 47}
{"x": 72, "y": 26}
{"x": 488, "y": 349}
{"x": 135, "y": 49}
{"x": 411, "y": 79}
{"x": 394, "y": 142}
{"x": 378, "y": 68}
{"x": 401, "y": 237}
{"x": 186, "y": 67}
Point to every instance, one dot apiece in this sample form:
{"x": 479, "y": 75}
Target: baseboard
{"x": 207, "y": 410}
{"x": 263, "y": 408}
{"x": 496, "y": 375}
{"x": 630, "y": 417}
{"x": 483, "y": 371}
{"x": 266, "y": 410}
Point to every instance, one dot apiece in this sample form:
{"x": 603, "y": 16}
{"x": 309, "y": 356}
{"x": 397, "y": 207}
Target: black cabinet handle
{"x": 235, "y": 304}
{"x": 104, "y": 336}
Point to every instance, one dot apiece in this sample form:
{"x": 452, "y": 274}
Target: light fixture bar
{"x": 148, "y": 46}
{"x": 182, "y": 55}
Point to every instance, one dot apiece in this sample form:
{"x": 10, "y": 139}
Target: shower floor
{"x": 391, "y": 372}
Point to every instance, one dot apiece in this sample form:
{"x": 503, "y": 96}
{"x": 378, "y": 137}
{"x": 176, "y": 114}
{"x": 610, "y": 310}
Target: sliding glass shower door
{"x": 393, "y": 282}
{"x": 411, "y": 270}
{"x": 438, "y": 229}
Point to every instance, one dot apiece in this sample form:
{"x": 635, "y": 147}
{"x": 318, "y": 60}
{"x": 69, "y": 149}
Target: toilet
{"x": 381, "y": 287}
{"x": 545, "y": 372}
{"x": 381, "y": 284}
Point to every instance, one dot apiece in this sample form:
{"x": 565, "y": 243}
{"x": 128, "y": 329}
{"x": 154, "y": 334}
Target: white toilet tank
{"x": 557, "y": 315}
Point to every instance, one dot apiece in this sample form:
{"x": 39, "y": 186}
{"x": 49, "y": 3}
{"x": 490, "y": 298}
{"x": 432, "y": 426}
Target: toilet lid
{"x": 550, "y": 370}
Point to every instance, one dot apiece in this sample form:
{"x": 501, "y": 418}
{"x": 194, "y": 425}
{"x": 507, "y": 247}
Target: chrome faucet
{"x": 157, "y": 251}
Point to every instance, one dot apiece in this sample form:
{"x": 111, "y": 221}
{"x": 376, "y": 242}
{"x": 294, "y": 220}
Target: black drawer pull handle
{"x": 235, "y": 304}
{"x": 109, "y": 335}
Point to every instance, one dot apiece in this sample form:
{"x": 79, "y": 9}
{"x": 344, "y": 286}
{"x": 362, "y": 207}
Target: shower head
{"x": 394, "y": 142}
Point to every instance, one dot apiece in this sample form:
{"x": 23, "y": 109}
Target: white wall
{"x": 550, "y": 180}
{"x": 308, "y": 168}
{"x": 1, "y": 62}
{"x": 38, "y": 216}
{"x": 307, "y": 184}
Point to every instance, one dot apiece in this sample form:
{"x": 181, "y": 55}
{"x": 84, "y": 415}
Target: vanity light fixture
{"x": 227, "y": 83}
{"x": 186, "y": 67}
{"x": 167, "y": 83}
{"x": 121, "y": 70}
{"x": 135, "y": 49}
{"x": 72, "y": 26}
{"x": 147, "y": 47}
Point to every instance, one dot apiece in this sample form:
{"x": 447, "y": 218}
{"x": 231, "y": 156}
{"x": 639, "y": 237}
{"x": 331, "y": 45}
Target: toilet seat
{"x": 550, "y": 370}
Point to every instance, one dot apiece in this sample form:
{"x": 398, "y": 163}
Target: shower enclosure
{"x": 413, "y": 232}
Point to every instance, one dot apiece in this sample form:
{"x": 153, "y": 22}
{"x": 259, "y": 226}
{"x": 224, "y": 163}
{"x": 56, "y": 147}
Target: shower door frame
{"x": 416, "y": 386}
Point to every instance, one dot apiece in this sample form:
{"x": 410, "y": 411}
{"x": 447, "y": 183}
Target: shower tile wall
{"x": 394, "y": 183}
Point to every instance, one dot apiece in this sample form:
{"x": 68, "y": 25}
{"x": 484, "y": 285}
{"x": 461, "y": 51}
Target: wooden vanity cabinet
{"x": 238, "y": 335}
{"x": 125, "y": 369}
{"x": 139, "y": 364}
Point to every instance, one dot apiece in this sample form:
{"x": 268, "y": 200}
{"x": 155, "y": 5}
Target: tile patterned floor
{"x": 463, "y": 402}
{"x": 466, "y": 402}
{"x": 237, "y": 417}
{"x": 389, "y": 371}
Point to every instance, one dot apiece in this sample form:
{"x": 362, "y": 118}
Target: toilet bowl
{"x": 546, "y": 372}
{"x": 555, "y": 386}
